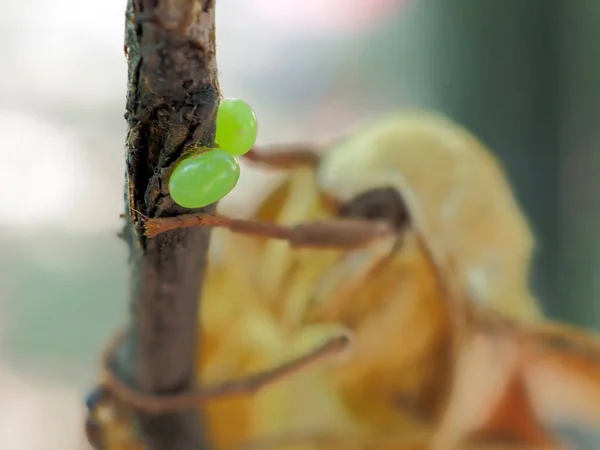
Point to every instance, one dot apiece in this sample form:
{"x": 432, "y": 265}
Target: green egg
{"x": 237, "y": 127}
{"x": 203, "y": 178}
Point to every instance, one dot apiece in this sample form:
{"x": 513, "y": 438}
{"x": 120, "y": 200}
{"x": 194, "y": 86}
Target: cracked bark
{"x": 172, "y": 97}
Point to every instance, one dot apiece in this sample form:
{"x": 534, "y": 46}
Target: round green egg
{"x": 237, "y": 126}
{"x": 203, "y": 178}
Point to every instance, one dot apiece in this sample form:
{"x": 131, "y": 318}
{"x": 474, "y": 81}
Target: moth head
{"x": 447, "y": 184}
{"x": 380, "y": 204}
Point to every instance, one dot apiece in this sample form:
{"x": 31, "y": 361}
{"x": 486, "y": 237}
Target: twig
{"x": 171, "y": 102}
{"x": 160, "y": 404}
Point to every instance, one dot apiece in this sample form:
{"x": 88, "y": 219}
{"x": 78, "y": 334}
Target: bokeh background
{"x": 524, "y": 75}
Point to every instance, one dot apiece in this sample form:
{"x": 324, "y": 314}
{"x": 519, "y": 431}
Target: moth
{"x": 379, "y": 298}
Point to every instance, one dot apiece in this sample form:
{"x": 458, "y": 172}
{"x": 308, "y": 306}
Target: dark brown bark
{"x": 172, "y": 97}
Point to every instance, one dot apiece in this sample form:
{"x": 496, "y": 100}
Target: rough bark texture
{"x": 171, "y": 102}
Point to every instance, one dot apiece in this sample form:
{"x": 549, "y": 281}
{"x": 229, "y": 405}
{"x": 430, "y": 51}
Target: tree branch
{"x": 172, "y": 97}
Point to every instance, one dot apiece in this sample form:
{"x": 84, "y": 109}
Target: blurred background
{"x": 522, "y": 75}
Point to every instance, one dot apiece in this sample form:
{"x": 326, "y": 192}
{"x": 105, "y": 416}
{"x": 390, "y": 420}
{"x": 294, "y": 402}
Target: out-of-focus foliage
{"x": 403, "y": 383}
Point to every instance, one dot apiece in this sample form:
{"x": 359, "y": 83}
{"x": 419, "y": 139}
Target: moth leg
{"x": 333, "y": 290}
{"x": 333, "y": 233}
{"x": 286, "y": 156}
{"x": 164, "y": 403}
{"x": 320, "y": 439}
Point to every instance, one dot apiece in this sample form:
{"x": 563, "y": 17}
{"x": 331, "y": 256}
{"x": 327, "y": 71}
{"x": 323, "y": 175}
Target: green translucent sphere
{"x": 203, "y": 178}
{"x": 237, "y": 126}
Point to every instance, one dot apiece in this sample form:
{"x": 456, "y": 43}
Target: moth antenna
{"x": 442, "y": 264}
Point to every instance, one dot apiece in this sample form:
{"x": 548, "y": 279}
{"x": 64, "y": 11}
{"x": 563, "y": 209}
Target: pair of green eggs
{"x": 209, "y": 174}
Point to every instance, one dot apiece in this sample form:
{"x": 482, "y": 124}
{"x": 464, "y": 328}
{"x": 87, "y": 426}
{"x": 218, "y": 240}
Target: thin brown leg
{"x": 159, "y": 404}
{"x": 338, "y": 442}
{"x": 287, "y": 156}
{"x": 334, "y": 233}
{"x": 354, "y": 275}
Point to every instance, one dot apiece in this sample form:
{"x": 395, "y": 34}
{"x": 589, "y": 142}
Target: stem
{"x": 172, "y": 97}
